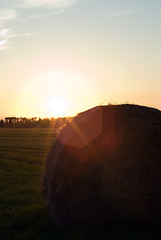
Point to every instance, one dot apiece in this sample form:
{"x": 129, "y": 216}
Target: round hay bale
{"x": 105, "y": 165}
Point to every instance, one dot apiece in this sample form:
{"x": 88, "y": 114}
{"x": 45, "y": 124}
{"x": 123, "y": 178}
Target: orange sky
{"x": 62, "y": 57}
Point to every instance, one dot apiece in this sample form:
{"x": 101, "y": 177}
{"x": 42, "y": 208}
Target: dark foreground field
{"x": 23, "y": 213}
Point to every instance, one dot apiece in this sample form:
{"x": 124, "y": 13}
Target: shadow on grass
{"x": 125, "y": 231}
{"x": 38, "y": 226}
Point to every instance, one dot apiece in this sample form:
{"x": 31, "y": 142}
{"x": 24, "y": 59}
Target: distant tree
{"x": 11, "y": 120}
{"x": 1, "y": 123}
{"x": 44, "y": 123}
{"x": 34, "y": 122}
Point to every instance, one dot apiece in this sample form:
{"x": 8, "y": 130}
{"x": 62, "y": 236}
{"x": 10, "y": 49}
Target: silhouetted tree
{"x": 23, "y": 122}
{"x": 1, "y": 123}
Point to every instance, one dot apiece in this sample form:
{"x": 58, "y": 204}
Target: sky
{"x": 60, "y": 57}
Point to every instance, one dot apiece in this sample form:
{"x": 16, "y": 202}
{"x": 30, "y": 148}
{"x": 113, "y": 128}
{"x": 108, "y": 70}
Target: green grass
{"x": 23, "y": 212}
{"x": 22, "y": 157}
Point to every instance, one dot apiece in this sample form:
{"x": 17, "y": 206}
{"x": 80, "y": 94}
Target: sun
{"x": 57, "y": 106}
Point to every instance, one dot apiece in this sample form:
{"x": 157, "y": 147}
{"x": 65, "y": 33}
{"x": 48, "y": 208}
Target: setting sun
{"x": 57, "y": 106}
{"x": 61, "y": 57}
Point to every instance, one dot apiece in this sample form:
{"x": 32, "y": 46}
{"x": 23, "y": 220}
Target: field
{"x": 23, "y": 211}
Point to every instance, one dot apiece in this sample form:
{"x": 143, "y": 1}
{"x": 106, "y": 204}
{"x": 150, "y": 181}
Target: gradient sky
{"x": 83, "y": 52}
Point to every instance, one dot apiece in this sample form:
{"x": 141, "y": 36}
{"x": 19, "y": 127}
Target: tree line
{"x": 23, "y": 122}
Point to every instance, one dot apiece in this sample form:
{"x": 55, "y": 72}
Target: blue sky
{"x": 87, "y": 52}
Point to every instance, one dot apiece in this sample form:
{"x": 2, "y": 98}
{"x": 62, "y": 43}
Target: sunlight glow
{"x": 57, "y": 106}
{"x": 55, "y": 93}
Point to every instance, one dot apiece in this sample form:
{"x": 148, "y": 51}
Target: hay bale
{"x": 106, "y": 165}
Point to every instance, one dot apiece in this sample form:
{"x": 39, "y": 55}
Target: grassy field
{"x": 23, "y": 212}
